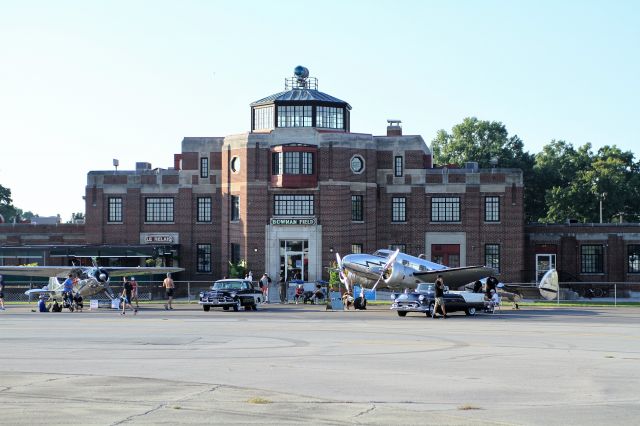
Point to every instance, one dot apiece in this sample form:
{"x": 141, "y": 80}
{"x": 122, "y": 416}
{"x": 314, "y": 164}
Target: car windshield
{"x": 228, "y": 285}
{"x": 425, "y": 287}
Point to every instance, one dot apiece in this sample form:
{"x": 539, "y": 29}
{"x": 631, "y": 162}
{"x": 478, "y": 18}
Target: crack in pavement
{"x": 367, "y": 411}
{"x": 125, "y": 420}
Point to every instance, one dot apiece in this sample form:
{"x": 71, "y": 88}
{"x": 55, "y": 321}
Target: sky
{"x": 84, "y": 82}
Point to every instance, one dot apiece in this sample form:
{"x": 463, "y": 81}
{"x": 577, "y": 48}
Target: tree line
{"x": 562, "y": 182}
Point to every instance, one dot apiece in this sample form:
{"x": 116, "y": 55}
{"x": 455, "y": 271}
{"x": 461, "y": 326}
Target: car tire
{"x": 432, "y": 306}
{"x": 402, "y": 314}
{"x": 225, "y": 308}
{"x": 236, "y": 307}
{"x": 206, "y": 308}
{"x": 470, "y": 311}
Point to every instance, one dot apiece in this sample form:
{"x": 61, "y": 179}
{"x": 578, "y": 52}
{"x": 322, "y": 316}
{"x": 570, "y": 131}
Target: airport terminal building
{"x": 299, "y": 187}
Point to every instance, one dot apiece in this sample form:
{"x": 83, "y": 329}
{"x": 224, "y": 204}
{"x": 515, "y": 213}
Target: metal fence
{"x": 616, "y": 292}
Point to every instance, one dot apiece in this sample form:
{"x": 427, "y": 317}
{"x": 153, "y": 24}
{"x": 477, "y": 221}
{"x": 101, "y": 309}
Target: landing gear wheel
{"x": 236, "y": 307}
{"x": 470, "y": 311}
{"x": 206, "y": 308}
{"x": 402, "y": 314}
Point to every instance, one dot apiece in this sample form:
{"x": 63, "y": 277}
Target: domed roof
{"x": 300, "y": 95}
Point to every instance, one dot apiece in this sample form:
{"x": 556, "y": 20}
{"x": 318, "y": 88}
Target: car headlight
{"x": 421, "y": 298}
{"x": 233, "y": 295}
{"x": 201, "y": 295}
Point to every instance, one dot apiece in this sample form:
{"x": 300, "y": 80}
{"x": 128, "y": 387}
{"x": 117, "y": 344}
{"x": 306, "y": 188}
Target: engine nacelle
{"x": 396, "y": 274}
{"x": 101, "y": 275}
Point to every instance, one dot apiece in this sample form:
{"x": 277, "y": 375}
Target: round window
{"x": 357, "y": 164}
{"x": 235, "y": 164}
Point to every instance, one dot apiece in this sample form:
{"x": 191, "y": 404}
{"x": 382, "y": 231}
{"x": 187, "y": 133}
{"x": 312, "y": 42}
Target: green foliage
{"x": 334, "y": 276}
{"x": 7, "y": 210}
{"x": 238, "y": 269}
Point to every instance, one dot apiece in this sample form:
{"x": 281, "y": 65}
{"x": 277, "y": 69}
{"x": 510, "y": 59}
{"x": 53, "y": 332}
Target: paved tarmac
{"x": 298, "y": 364}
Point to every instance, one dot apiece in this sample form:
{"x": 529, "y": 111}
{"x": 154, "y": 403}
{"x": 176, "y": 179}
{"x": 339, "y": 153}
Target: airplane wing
{"x": 37, "y": 271}
{"x": 455, "y": 277}
{"x": 116, "y": 271}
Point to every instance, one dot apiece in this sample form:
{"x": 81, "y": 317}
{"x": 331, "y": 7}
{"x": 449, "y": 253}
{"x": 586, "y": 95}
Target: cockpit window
{"x": 381, "y": 253}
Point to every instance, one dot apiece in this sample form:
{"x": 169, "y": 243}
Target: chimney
{"x": 393, "y": 128}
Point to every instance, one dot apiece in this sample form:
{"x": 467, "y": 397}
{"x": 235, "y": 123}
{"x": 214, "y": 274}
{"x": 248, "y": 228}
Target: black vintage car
{"x": 231, "y": 293}
{"x": 423, "y": 300}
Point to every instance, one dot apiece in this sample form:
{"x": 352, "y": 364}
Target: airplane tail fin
{"x": 549, "y": 286}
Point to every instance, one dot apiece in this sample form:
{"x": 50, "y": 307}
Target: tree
{"x": 489, "y": 144}
{"x": 577, "y": 181}
{"x": 7, "y": 210}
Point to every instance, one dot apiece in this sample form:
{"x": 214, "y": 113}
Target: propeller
{"x": 343, "y": 277}
{"x": 386, "y": 267}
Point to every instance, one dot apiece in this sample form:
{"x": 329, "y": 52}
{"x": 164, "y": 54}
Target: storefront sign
{"x": 155, "y": 238}
{"x": 293, "y": 221}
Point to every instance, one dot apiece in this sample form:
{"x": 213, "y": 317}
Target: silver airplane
{"x": 400, "y": 270}
{"x": 91, "y": 280}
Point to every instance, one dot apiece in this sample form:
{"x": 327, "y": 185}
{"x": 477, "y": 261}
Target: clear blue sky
{"x": 83, "y": 82}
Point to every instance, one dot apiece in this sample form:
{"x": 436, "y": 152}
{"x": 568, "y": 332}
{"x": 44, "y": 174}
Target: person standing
{"x": 1, "y": 293}
{"x": 283, "y": 289}
{"x": 169, "y": 286}
{"x": 134, "y": 291}
{"x": 264, "y": 287}
{"x": 126, "y": 296}
{"x": 249, "y": 276}
{"x": 439, "y": 298}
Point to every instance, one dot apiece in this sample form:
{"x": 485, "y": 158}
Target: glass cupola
{"x": 300, "y": 105}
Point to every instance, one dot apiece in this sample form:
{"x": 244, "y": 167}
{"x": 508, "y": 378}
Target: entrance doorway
{"x": 294, "y": 260}
{"x": 544, "y": 262}
{"x": 446, "y": 254}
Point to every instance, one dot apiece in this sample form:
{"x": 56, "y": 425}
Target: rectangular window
{"x": 204, "y": 209}
{"x": 263, "y": 118}
{"x": 293, "y": 205}
{"x": 356, "y": 248}
{"x": 591, "y": 257}
{"x": 235, "y": 207}
{"x": 294, "y": 116}
{"x": 492, "y": 209}
{"x": 204, "y": 257}
{"x": 235, "y": 253}
{"x": 633, "y": 256}
{"x": 158, "y": 209}
{"x": 491, "y": 256}
{"x": 445, "y": 209}
{"x": 399, "y": 209}
{"x": 307, "y": 163}
{"x": 330, "y": 117}
{"x": 277, "y": 161}
{"x": 292, "y": 163}
{"x": 204, "y": 167}
{"x": 356, "y": 208}
{"x": 115, "y": 209}
{"x": 397, "y": 166}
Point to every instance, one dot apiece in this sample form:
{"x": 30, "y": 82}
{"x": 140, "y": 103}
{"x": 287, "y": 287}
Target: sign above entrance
{"x": 294, "y": 221}
{"x": 157, "y": 238}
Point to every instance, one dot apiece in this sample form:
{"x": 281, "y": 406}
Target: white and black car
{"x": 231, "y": 293}
{"x": 423, "y": 300}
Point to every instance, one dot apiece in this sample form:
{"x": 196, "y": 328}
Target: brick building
{"x": 300, "y": 186}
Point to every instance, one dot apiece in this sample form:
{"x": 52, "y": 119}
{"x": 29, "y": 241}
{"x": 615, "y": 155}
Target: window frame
{"x": 204, "y": 210}
{"x": 293, "y": 205}
{"x": 356, "y": 248}
{"x": 633, "y": 265}
{"x": 203, "y": 258}
{"x": 234, "y": 215}
{"x": 445, "y": 210}
{"x": 163, "y": 203}
{"x": 204, "y": 167}
{"x": 357, "y": 208}
{"x": 115, "y": 208}
{"x": 492, "y": 256}
{"x": 398, "y": 166}
{"x": 592, "y": 263}
{"x": 398, "y": 209}
{"x": 492, "y": 209}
